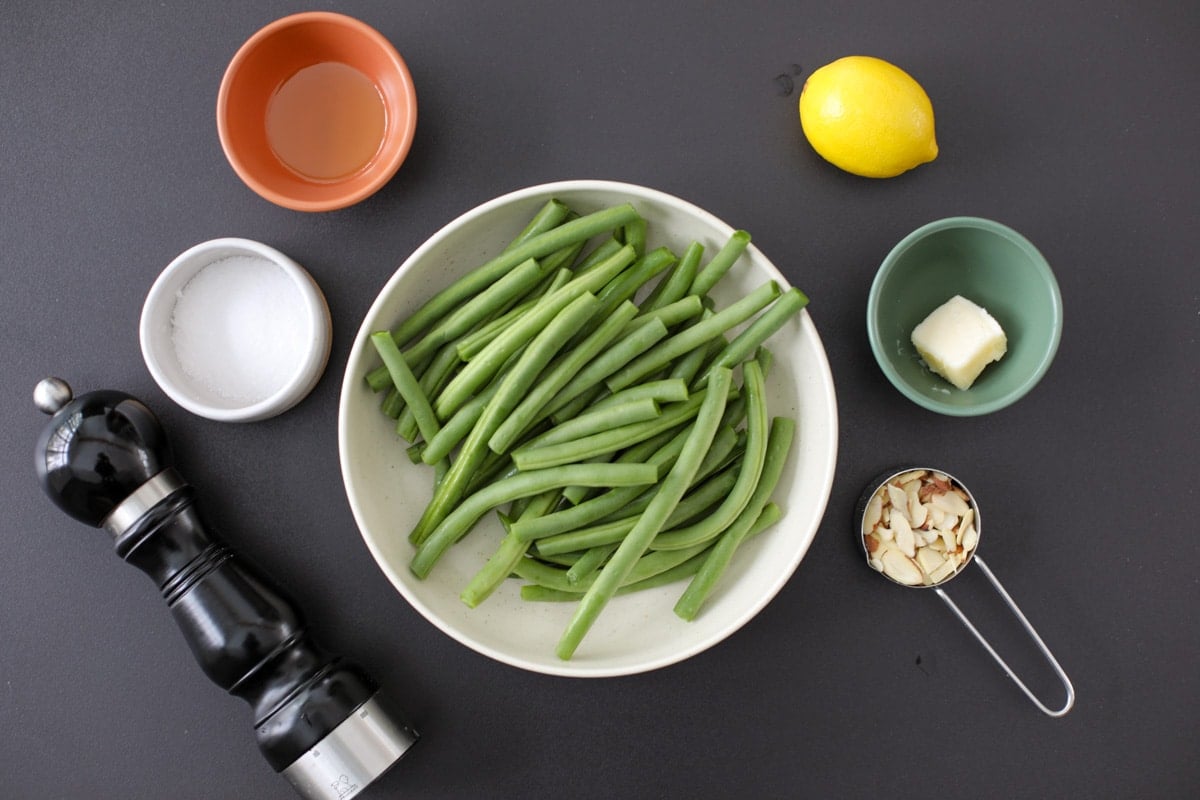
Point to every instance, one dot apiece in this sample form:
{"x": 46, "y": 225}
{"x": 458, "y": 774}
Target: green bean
{"x": 626, "y": 285}
{"x": 569, "y": 518}
{"x": 433, "y": 380}
{"x": 717, "y": 456}
{"x": 567, "y": 560}
{"x": 512, "y": 387}
{"x": 542, "y": 244}
{"x": 577, "y": 494}
{"x": 675, "y": 286}
{"x": 687, "y": 365}
{"x": 440, "y": 469}
{"x": 671, "y": 314}
{"x": 470, "y": 345}
{"x": 543, "y": 456}
{"x": 748, "y": 478}
{"x": 608, "y": 362}
{"x": 548, "y": 216}
{"x": 719, "y": 556}
{"x": 598, "y": 420}
{"x": 458, "y": 426}
{"x": 559, "y": 259}
{"x": 633, "y": 546}
{"x": 392, "y": 403}
{"x": 699, "y": 499}
{"x": 456, "y": 524}
{"x": 598, "y": 255}
{"x": 492, "y": 467}
{"x": 642, "y": 500}
{"x": 708, "y": 277}
{"x": 645, "y": 567}
{"x": 406, "y": 383}
{"x": 588, "y": 563}
{"x": 789, "y": 304}
{"x": 666, "y": 351}
{"x": 576, "y": 406}
{"x": 765, "y": 358}
{"x": 498, "y": 567}
{"x": 557, "y": 375}
{"x": 664, "y": 391}
{"x": 534, "y": 592}
{"x": 473, "y": 343}
{"x": 636, "y": 453}
{"x": 484, "y": 366}
{"x": 634, "y": 234}
{"x": 492, "y": 301}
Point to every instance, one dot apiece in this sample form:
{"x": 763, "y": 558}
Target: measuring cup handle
{"x": 1066, "y": 682}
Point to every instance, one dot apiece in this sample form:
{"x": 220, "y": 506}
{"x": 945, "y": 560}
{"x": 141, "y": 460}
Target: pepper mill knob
{"x": 51, "y": 394}
{"x": 96, "y": 450}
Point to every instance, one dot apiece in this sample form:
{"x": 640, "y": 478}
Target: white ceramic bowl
{"x": 636, "y": 632}
{"x": 199, "y": 397}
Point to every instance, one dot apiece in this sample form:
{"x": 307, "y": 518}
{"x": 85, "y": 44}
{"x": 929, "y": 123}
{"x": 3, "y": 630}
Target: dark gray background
{"x": 1077, "y": 127}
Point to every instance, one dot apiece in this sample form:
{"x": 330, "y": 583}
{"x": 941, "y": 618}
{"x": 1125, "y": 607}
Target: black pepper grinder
{"x": 320, "y": 720}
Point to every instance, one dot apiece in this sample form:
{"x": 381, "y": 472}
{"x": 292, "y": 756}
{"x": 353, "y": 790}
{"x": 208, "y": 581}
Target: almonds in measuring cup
{"x": 919, "y": 528}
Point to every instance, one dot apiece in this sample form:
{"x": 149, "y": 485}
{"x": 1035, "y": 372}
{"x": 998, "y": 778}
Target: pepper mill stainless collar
{"x": 318, "y": 719}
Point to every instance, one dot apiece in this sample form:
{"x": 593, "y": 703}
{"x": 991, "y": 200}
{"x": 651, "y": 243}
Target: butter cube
{"x": 958, "y": 339}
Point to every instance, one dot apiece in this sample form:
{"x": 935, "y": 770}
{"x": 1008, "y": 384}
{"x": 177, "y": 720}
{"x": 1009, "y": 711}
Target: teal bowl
{"x": 989, "y": 264}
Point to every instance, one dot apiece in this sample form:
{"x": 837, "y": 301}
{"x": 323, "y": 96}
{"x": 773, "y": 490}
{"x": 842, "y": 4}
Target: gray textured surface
{"x": 1078, "y": 129}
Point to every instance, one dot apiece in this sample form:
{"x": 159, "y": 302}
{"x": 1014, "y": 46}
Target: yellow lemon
{"x": 868, "y": 117}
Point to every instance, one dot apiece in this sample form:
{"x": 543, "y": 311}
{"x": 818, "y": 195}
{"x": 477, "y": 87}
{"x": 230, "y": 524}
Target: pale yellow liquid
{"x": 326, "y": 122}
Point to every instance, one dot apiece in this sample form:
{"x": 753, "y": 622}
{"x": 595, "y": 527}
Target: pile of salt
{"x": 239, "y": 328}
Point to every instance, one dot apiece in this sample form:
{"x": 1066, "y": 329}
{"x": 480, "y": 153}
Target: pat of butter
{"x": 958, "y": 339}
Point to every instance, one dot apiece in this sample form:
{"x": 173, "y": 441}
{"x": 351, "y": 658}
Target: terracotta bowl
{"x": 275, "y": 54}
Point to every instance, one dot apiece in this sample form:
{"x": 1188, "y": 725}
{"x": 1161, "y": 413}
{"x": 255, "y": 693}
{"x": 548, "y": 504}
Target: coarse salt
{"x": 239, "y": 328}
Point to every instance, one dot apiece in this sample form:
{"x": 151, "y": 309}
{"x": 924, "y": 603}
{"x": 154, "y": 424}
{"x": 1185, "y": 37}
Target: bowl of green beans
{"x": 588, "y": 429}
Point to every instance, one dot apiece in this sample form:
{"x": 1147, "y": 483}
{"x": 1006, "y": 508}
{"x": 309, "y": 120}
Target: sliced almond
{"x": 898, "y": 499}
{"x": 929, "y": 559}
{"x": 911, "y": 475}
{"x": 904, "y": 536}
{"x": 871, "y": 542}
{"x": 948, "y": 522}
{"x": 885, "y": 534}
{"x": 917, "y": 513}
{"x": 949, "y": 540}
{"x": 910, "y": 488}
{"x": 970, "y": 538}
{"x": 875, "y": 564}
{"x": 873, "y": 513}
{"x": 901, "y": 569}
{"x": 951, "y": 503}
{"x": 936, "y": 515}
{"x": 944, "y": 571}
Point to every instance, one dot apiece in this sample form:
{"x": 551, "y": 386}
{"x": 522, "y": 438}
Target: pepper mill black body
{"x": 104, "y": 459}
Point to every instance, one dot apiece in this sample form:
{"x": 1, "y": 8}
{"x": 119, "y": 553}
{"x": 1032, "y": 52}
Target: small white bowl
{"x": 158, "y": 345}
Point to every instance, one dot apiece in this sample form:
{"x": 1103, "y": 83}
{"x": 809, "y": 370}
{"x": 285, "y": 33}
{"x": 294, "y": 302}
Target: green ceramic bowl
{"x": 989, "y": 264}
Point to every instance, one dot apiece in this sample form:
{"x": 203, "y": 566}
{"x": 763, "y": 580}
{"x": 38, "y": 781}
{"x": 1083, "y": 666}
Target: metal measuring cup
{"x": 885, "y": 556}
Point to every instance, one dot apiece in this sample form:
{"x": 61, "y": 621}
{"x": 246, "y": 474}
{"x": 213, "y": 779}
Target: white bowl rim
{"x": 308, "y": 371}
{"x": 569, "y": 668}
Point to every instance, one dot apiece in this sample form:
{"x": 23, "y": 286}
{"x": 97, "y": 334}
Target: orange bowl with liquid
{"x": 316, "y": 111}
